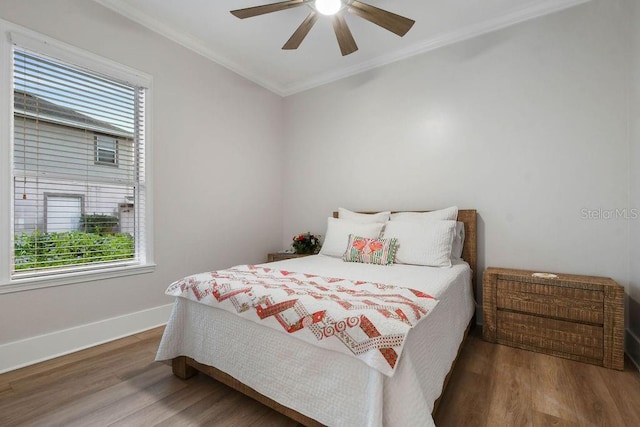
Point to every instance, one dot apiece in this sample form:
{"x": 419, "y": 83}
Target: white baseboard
{"x": 18, "y": 354}
{"x": 633, "y": 348}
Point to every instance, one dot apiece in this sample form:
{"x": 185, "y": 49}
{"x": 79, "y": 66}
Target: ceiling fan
{"x": 335, "y": 8}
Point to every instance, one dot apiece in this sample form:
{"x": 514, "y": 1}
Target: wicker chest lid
{"x": 565, "y": 280}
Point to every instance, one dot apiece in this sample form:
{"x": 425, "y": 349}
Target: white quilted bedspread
{"x": 333, "y": 388}
{"x": 362, "y": 319}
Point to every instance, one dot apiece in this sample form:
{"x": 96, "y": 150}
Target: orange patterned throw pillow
{"x": 371, "y": 251}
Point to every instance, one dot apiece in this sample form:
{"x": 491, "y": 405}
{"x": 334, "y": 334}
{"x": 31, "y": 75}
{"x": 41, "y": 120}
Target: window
{"x": 106, "y": 150}
{"x": 73, "y": 113}
{"x": 62, "y": 212}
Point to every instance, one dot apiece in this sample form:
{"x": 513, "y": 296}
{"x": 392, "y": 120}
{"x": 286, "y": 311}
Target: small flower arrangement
{"x": 306, "y": 243}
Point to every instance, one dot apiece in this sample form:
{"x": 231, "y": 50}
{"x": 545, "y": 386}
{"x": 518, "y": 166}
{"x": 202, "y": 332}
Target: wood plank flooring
{"x": 119, "y": 384}
{"x": 496, "y": 385}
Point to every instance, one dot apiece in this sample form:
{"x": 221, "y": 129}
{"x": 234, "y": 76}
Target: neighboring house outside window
{"x": 59, "y": 145}
{"x": 80, "y": 189}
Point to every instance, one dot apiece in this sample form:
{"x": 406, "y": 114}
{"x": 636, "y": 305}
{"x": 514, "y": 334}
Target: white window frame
{"x": 25, "y": 38}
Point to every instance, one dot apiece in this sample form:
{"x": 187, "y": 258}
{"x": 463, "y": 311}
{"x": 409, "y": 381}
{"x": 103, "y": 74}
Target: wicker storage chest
{"x": 576, "y": 317}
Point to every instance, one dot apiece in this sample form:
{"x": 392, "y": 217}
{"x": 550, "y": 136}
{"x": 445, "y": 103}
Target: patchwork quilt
{"x": 366, "y": 320}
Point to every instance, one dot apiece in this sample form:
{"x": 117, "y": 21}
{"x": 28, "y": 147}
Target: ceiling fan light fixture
{"x": 328, "y": 7}
{"x": 397, "y": 24}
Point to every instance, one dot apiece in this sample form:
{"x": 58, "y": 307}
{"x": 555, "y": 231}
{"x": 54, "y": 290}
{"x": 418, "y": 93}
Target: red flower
{"x": 306, "y": 243}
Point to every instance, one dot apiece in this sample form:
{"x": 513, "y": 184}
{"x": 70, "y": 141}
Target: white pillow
{"x": 442, "y": 214}
{"x": 422, "y": 242}
{"x": 336, "y": 238}
{"x": 458, "y": 241}
{"x": 363, "y": 218}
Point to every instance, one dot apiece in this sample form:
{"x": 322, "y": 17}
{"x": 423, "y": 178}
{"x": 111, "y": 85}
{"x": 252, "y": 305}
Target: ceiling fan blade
{"x": 395, "y": 23}
{"x": 301, "y": 32}
{"x": 267, "y": 8}
{"x": 343, "y": 34}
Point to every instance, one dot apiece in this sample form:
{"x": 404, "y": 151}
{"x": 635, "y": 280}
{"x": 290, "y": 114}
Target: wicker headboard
{"x": 470, "y": 250}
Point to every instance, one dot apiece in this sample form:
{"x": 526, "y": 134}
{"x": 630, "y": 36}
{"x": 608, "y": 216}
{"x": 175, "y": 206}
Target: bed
{"x": 316, "y": 386}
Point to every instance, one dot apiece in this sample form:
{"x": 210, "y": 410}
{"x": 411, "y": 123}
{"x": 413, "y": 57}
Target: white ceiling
{"x": 252, "y": 47}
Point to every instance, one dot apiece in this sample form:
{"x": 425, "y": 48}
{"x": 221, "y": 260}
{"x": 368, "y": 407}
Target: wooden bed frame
{"x": 185, "y": 367}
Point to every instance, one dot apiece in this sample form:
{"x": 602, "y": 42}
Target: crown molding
{"x": 440, "y": 40}
{"x": 196, "y": 45}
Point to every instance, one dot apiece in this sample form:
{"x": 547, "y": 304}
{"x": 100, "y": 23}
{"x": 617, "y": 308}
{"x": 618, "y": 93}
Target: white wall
{"x": 633, "y": 308}
{"x": 217, "y": 156}
{"x": 528, "y": 125}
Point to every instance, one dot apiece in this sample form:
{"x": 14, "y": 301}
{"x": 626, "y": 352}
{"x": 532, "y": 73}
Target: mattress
{"x": 332, "y": 388}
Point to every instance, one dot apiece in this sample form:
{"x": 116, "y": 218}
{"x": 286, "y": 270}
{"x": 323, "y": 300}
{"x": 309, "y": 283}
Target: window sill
{"x": 30, "y": 283}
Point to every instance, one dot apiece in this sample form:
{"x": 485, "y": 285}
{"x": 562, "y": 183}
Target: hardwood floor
{"x": 119, "y": 383}
{"x": 496, "y": 385}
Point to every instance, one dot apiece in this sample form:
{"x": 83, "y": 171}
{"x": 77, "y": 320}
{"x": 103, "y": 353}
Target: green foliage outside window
{"x": 44, "y": 250}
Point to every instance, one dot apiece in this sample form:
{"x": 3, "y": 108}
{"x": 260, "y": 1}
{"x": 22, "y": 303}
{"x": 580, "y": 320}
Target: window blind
{"x": 78, "y": 168}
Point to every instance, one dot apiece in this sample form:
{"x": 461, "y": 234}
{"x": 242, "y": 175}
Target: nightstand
{"x": 281, "y": 256}
{"x": 575, "y": 317}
